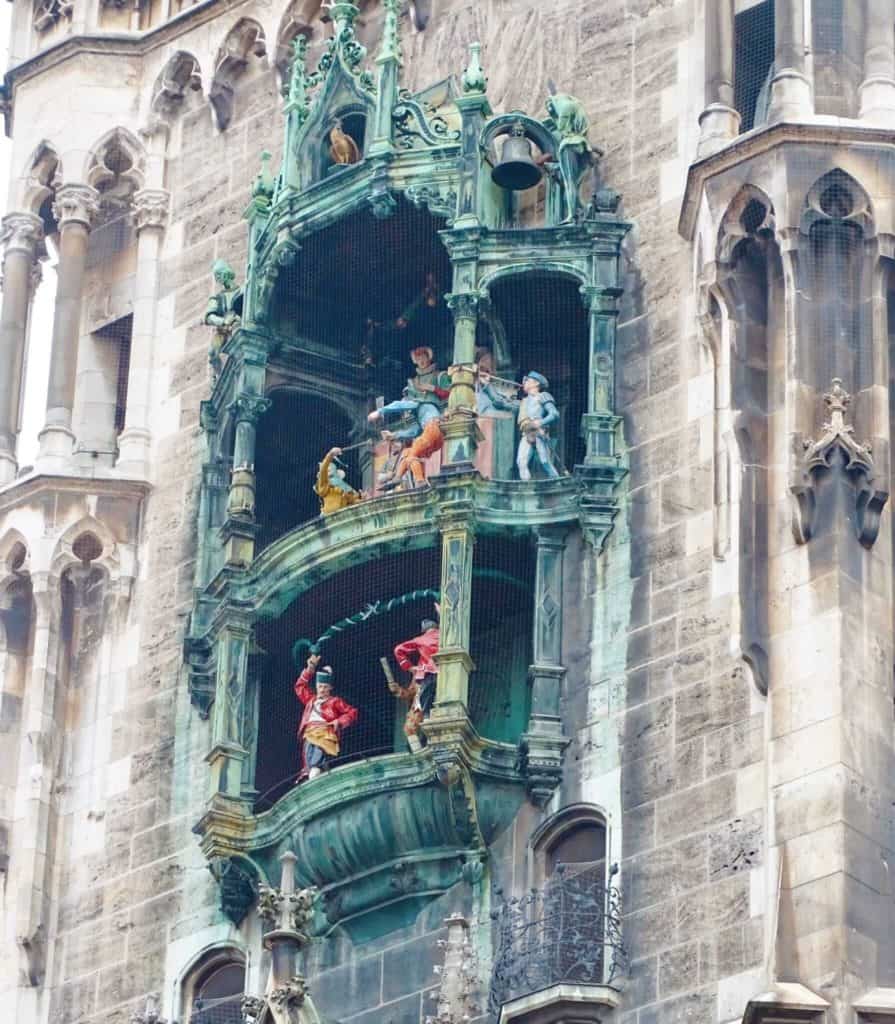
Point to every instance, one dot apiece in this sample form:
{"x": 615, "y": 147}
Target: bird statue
{"x": 343, "y": 149}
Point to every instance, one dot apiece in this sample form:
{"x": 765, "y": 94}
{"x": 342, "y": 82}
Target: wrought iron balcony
{"x": 559, "y": 946}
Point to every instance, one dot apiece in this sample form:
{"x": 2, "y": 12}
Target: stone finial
{"x": 390, "y": 48}
{"x": 474, "y": 80}
{"x": 151, "y": 208}
{"x": 76, "y": 203}
{"x": 837, "y": 434}
{"x": 458, "y": 974}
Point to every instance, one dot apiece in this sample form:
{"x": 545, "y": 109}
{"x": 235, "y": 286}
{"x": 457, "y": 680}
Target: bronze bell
{"x": 517, "y": 170}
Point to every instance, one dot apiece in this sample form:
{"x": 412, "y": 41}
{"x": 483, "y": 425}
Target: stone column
{"x": 877, "y": 90}
{"x": 790, "y": 88}
{"x": 21, "y": 234}
{"x": 35, "y": 824}
{"x": 228, "y": 752}
{"x": 454, "y": 662}
{"x": 544, "y": 742}
{"x": 719, "y": 121}
{"x": 239, "y": 530}
{"x": 74, "y": 209}
{"x": 150, "y": 215}
{"x": 459, "y": 424}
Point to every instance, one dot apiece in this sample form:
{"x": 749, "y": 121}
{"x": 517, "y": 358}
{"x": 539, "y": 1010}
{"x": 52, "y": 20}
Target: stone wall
{"x": 666, "y": 733}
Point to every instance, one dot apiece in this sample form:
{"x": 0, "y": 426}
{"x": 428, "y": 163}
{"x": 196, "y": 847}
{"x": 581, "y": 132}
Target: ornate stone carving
{"x": 474, "y": 80}
{"x": 458, "y": 976}
{"x": 247, "y": 408}
{"x": 441, "y": 203}
{"x": 150, "y": 1013}
{"x": 48, "y": 12}
{"x": 22, "y": 231}
{"x": 857, "y": 464}
{"x": 285, "y": 1001}
{"x": 151, "y": 208}
{"x": 78, "y": 203}
{"x": 237, "y": 887}
{"x": 290, "y": 911}
{"x": 252, "y": 1007}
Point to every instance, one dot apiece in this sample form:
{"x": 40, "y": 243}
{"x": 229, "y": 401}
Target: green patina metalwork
{"x": 382, "y": 836}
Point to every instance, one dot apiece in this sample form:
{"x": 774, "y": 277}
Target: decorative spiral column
{"x": 21, "y": 236}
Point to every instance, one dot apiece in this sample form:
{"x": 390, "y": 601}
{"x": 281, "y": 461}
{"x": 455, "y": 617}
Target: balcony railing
{"x": 568, "y": 933}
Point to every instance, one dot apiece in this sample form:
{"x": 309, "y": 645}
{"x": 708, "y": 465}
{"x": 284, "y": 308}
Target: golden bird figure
{"x": 343, "y": 149}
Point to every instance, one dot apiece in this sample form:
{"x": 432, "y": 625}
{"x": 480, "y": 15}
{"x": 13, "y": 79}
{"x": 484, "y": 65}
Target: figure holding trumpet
{"x": 536, "y": 417}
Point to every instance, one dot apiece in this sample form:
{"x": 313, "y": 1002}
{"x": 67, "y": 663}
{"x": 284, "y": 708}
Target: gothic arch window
{"x": 213, "y": 991}
{"x": 115, "y": 168}
{"x": 286, "y": 471}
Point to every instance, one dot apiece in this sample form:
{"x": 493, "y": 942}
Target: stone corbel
{"x": 817, "y": 457}
{"x": 238, "y": 887}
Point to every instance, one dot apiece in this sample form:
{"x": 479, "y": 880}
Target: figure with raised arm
{"x": 324, "y": 718}
{"x": 421, "y": 416}
{"x": 333, "y": 490}
{"x": 536, "y": 415}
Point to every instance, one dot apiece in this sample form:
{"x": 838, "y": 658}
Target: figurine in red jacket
{"x": 416, "y": 656}
{"x": 324, "y": 718}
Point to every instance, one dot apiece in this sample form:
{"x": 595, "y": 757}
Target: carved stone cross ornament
{"x": 818, "y": 458}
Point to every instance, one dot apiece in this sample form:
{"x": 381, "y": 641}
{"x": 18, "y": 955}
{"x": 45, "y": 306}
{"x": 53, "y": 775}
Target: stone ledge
{"x": 583, "y": 1004}
{"x": 785, "y": 1003}
{"x": 876, "y": 1006}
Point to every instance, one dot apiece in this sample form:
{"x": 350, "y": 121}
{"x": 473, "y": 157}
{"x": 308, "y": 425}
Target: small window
{"x": 582, "y": 844}
{"x": 217, "y": 995}
{"x": 117, "y": 337}
{"x": 753, "y": 63}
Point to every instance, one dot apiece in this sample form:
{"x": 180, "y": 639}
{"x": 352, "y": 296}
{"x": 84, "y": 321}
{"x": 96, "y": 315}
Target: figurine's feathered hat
{"x": 324, "y": 675}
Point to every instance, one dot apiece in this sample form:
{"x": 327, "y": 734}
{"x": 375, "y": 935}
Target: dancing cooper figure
{"x": 324, "y": 718}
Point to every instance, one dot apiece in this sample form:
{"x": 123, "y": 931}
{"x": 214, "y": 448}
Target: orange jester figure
{"x": 423, "y": 429}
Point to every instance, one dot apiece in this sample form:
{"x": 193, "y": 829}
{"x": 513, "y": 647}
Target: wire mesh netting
{"x": 500, "y": 646}
{"x": 753, "y": 63}
{"x": 217, "y": 1011}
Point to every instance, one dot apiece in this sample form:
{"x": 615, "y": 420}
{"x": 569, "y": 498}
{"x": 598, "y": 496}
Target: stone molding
{"x": 745, "y": 148}
{"x": 151, "y": 207}
{"x": 76, "y": 203}
{"x": 21, "y": 231}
